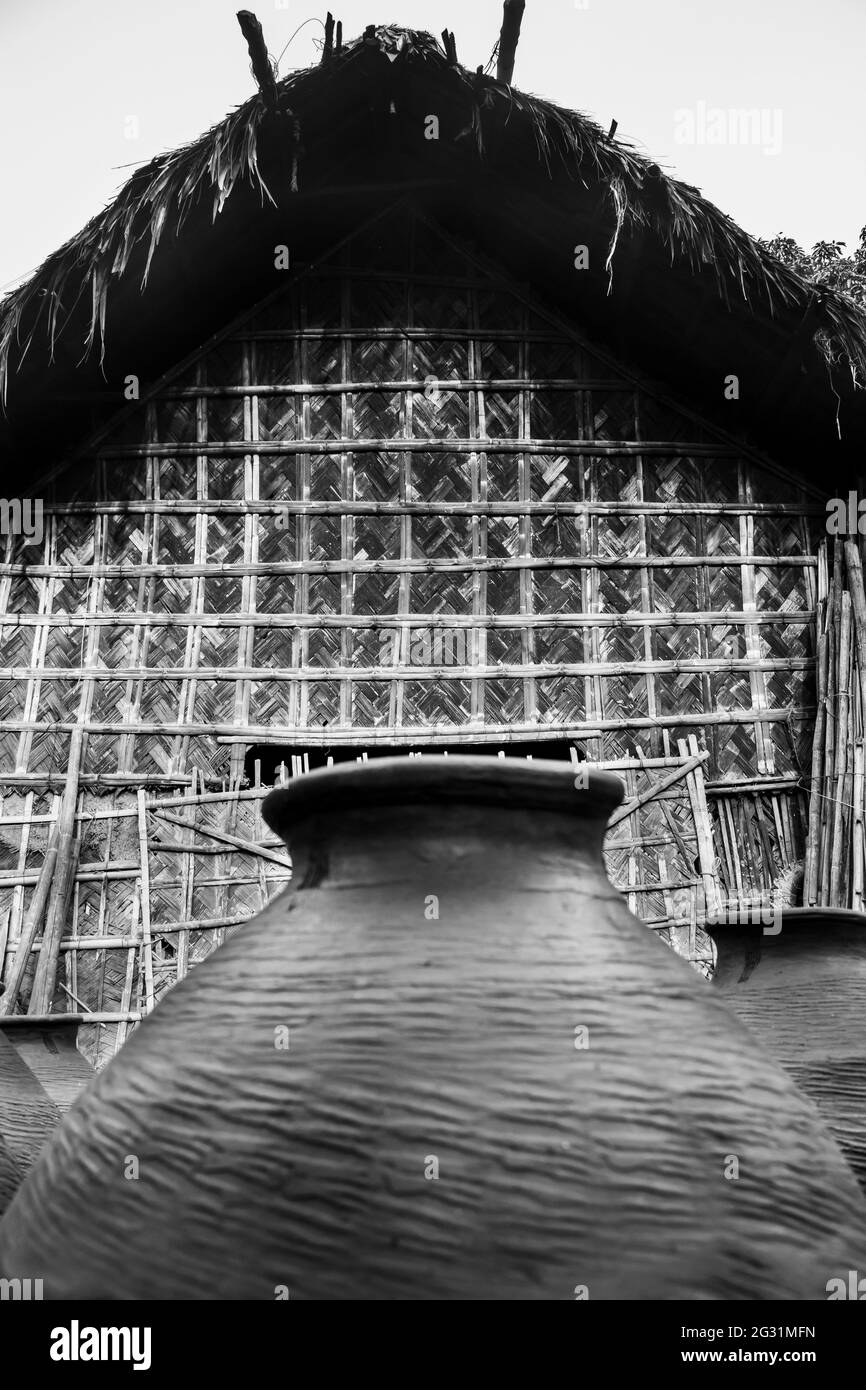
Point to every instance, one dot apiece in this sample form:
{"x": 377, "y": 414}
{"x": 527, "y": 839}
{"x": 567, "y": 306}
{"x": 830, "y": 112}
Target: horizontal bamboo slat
{"x": 445, "y": 672}
{"x": 363, "y": 506}
{"x": 38, "y": 1020}
{"x": 597, "y": 448}
{"x": 461, "y": 733}
{"x": 462, "y": 565}
{"x": 366, "y": 621}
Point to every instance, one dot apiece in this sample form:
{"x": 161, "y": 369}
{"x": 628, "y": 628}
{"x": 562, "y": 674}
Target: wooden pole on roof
{"x": 262, "y": 69}
{"x": 512, "y": 14}
{"x": 327, "y": 51}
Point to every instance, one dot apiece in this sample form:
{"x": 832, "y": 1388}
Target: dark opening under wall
{"x": 299, "y": 757}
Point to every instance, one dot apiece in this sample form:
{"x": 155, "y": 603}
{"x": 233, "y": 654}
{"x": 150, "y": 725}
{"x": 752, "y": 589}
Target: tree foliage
{"x": 826, "y": 264}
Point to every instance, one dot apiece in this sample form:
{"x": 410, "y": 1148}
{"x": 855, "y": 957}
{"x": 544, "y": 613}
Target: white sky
{"x": 73, "y": 71}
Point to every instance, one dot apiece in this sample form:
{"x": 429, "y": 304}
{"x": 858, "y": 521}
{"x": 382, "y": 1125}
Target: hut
{"x": 404, "y": 411}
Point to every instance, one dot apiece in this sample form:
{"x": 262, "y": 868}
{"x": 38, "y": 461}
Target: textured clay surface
{"x": 802, "y": 993}
{"x": 498, "y": 1085}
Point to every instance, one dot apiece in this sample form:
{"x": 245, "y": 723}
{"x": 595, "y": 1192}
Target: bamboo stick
{"x": 365, "y": 506}
{"x": 827, "y": 801}
{"x": 859, "y": 834}
{"x": 840, "y": 752}
{"x": 317, "y": 736}
{"x": 247, "y": 846}
{"x": 633, "y": 875}
{"x": 813, "y": 835}
{"x": 102, "y": 781}
{"x": 34, "y": 1020}
{"x": 781, "y": 832}
{"x": 728, "y": 877}
{"x": 175, "y": 847}
{"x": 632, "y": 617}
{"x": 763, "y": 743}
{"x": 431, "y": 734}
{"x": 4, "y": 939}
{"x": 18, "y": 896}
{"x": 462, "y": 564}
{"x": 187, "y": 891}
{"x": 734, "y": 842}
{"x": 45, "y": 977}
{"x": 846, "y": 806}
{"x": 172, "y": 885}
{"x": 147, "y": 936}
{"x": 126, "y": 996}
{"x": 29, "y": 930}
{"x": 230, "y": 817}
{"x": 666, "y": 888}
{"x": 686, "y": 767}
{"x": 779, "y": 782}
{"x": 93, "y": 873}
{"x": 749, "y": 842}
{"x": 436, "y": 673}
{"x": 858, "y": 599}
{"x": 702, "y": 820}
{"x": 765, "y": 841}
{"x": 233, "y": 448}
{"x": 125, "y": 942}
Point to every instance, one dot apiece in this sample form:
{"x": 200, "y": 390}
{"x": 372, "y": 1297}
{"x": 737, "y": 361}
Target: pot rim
{"x": 437, "y": 779}
{"x": 792, "y": 919}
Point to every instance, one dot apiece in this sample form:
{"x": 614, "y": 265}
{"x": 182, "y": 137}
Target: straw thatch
{"x": 153, "y": 206}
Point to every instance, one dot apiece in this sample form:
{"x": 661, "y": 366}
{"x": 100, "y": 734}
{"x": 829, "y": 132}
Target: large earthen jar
{"x": 798, "y": 982}
{"x": 446, "y": 1063}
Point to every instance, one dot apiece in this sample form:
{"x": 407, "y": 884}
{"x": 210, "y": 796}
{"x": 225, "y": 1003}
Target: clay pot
{"x": 41, "y": 1073}
{"x": 802, "y": 991}
{"x": 497, "y": 1083}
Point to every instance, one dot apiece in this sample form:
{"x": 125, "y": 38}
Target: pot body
{"x": 27, "y": 1118}
{"x": 446, "y": 1063}
{"x": 41, "y": 1074}
{"x": 801, "y": 991}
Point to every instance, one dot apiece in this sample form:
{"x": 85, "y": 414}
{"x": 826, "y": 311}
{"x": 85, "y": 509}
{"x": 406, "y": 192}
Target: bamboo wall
{"x": 397, "y": 443}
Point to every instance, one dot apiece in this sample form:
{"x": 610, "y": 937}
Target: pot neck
{"x": 583, "y": 798}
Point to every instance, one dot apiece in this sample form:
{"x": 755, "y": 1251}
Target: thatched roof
{"x": 543, "y": 179}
